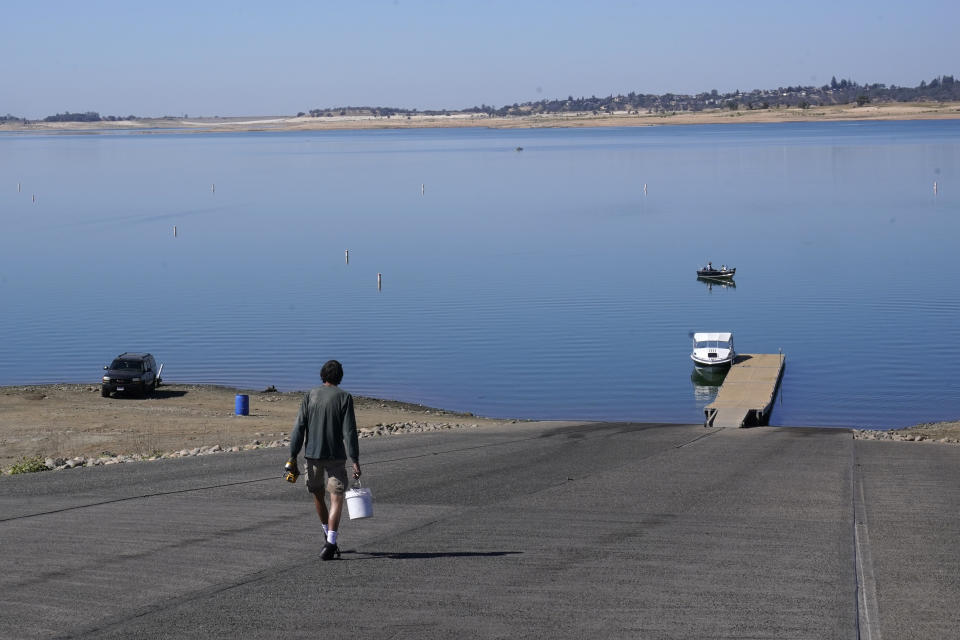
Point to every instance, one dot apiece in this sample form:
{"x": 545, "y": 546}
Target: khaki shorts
{"x": 336, "y": 472}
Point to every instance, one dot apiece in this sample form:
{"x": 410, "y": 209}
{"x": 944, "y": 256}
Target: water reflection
{"x": 706, "y": 384}
{"x": 721, "y": 284}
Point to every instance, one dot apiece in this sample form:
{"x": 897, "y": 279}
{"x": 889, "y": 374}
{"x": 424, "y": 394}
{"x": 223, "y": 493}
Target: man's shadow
{"x": 370, "y": 555}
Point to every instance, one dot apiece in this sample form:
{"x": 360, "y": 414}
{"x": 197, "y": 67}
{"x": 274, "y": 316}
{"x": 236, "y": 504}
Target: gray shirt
{"x": 326, "y": 427}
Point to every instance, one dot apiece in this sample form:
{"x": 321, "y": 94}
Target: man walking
{"x": 326, "y": 430}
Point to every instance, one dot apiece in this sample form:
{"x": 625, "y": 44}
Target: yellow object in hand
{"x": 290, "y": 471}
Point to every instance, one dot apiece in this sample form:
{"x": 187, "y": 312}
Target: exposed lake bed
{"x": 65, "y": 422}
{"x": 70, "y": 425}
{"x": 924, "y": 110}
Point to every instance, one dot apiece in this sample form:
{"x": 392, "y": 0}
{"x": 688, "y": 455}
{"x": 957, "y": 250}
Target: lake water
{"x": 542, "y": 283}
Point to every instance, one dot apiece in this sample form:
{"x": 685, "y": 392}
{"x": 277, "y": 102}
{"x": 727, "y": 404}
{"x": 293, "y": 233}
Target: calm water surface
{"x": 541, "y": 283}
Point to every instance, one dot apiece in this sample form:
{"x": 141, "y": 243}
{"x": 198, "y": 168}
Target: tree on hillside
{"x": 88, "y": 116}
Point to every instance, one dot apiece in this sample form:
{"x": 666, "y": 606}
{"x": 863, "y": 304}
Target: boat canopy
{"x": 713, "y": 337}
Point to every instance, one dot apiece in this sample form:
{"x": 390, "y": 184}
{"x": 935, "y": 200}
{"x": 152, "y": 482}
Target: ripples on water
{"x": 541, "y": 283}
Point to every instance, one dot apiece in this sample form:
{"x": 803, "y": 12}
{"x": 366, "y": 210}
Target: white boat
{"x": 713, "y": 349}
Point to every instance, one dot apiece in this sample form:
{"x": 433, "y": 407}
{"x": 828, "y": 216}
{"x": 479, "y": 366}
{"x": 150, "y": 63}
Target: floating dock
{"x": 747, "y": 393}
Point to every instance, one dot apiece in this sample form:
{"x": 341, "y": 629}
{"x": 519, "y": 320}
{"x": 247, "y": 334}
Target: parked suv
{"x": 135, "y": 372}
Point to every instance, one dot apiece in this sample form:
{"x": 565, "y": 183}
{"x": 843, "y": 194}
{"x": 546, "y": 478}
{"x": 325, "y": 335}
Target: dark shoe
{"x": 329, "y": 551}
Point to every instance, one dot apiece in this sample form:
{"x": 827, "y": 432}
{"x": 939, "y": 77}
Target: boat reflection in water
{"x": 720, "y": 284}
{"x": 706, "y": 384}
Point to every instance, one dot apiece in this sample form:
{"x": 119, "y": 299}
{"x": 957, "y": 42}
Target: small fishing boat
{"x": 713, "y": 349}
{"x": 723, "y": 273}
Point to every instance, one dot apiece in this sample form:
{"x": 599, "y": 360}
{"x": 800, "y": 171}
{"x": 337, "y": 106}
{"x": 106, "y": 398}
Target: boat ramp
{"x": 747, "y": 393}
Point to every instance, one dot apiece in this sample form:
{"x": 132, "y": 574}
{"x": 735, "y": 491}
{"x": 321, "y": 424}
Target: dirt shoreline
{"x": 70, "y": 422}
{"x": 66, "y": 421}
{"x": 846, "y": 112}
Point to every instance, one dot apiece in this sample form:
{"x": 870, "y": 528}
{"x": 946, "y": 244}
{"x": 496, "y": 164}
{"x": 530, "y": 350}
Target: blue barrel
{"x": 243, "y": 405}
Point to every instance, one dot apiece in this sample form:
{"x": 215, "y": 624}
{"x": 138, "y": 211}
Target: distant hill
{"x": 939, "y": 89}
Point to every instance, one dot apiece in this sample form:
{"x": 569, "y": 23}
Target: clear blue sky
{"x": 255, "y": 58}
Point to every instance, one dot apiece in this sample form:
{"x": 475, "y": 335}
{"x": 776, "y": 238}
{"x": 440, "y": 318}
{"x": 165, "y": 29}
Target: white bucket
{"x": 359, "y": 502}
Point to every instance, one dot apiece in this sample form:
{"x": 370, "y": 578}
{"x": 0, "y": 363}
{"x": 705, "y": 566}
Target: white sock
{"x": 324, "y": 531}
{"x": 332, "y": 537}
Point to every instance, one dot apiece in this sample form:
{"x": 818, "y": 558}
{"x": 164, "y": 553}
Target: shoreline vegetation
{"x": 65, "y": 426}
{"x": 827, "y": 113}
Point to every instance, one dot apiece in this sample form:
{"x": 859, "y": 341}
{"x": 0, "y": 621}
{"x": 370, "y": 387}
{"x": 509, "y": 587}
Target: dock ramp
{"x": 748, "y": 391}
{"x": 728, "y": 417}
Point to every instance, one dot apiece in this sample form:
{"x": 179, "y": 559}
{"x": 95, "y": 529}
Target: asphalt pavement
{"x": 529, "y": 531}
